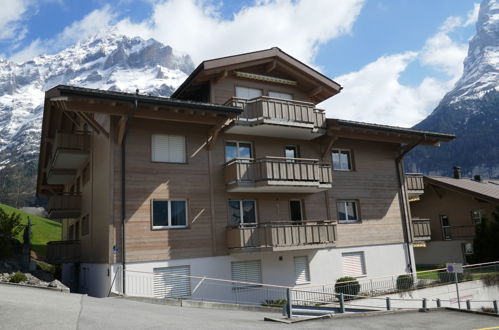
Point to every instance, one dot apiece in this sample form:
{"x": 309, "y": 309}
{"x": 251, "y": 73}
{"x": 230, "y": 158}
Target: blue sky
{"x": 395, "y": 58}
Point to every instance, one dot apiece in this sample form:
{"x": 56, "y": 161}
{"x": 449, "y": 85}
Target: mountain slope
{"x": 470, "y": 110}
{"x": 108, "y": 61}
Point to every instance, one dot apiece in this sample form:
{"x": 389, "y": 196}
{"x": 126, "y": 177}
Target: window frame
{"x": 297, "y": 152}
{"x": 356, "y": 206}
{"x": 241, "y": 212}
{"x": 350, "y": 159}
{"x": 246, "y": 98}
{"x": 475, "y": 220}
{"x": 307, "y": 270}
{"x": 153, "y": 227}
{"x": 168, "y": 162}
{"x": 280, "y": 98}
{"x": 237, "y": 142}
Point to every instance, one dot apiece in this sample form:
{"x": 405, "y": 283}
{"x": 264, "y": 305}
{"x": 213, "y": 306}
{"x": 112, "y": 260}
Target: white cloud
{"x": 197, "y": 27}
{"x": 11, "y": 17}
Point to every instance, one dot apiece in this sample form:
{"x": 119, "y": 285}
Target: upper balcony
{"x": 274, "y": 117}
{"x": 421, "y": 230}
{"x": 277, "y": 174}
{"x": 61, "y": 252}
{"x": 466, "y": 232}
{"x": 64, "y": 206}
{"x": 415, "y": 185}
{"x": 280, "y": 236}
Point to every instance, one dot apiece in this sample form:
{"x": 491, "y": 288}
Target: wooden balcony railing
{"x": 63, "y": 206}
{"x": 269, "y": 171}
{"x": 60, "y": 252}
{"x": 414, "y": 181}
{"x": 70, "y": 150}
{"x": 282, "y": 235}
{"x": 289, "y": 112}
{"x": 421, "y": 230}
{"x": 459, "y": 232}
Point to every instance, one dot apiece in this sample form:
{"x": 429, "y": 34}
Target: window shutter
{"x": 168, "y": 148}
{"x": 167, "y": 283}
{"x": 353, "y": 264}
{"x": 246, "y": 271}
{"x": 302, "y": 271}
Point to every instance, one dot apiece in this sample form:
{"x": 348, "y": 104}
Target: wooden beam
{"x": 70, "y": 118}
{"x": 221, "y": 76}
{"x": 271, "y": 66}
{"x": 329, "y": 146}
{"x": 315, "y": 91}
{"x": 95, "y": 125}
{"x": 121, "y": 129}
{"x": 215, "y": 131}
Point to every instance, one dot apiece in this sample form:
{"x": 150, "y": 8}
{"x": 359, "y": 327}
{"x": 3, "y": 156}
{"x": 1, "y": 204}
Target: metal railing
{"x": 277, "y": 169}
{"x": 60, "y": 252}
{"x": 466, "y": 232}
{"x": 281, "y": 110}
{"x": 281, "y": 234}
{"x": 421, "y": 229}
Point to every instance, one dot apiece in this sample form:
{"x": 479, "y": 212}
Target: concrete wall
{"x": 440, "y": 252}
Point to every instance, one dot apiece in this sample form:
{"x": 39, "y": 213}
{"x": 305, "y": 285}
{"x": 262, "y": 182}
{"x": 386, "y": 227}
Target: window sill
{"x": 169, "y": 228}
{"x": 349, "y": 222}
{"x": 340, "y": 170}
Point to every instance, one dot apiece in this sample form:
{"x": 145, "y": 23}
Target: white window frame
{"x": 168, "y": 161}
{"x": 343, "y": 203}
{"x": 241, "y": 210}
{"x": 350, "y": 159}
{"x": 237, "y": 143}
{"x": 281, "y": 93}
{"x": 255, "y": 89}
{"x": 363, "y": 263}
{"x": 307, "y": 270}
{"x": 169, "y": 213}
{"x": 476, "y": 216}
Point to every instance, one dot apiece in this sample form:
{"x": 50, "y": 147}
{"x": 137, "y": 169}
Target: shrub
{"x": 10, "y": 226}
{"x": 491, "y": 280}
{"x": 17, "y": 278}
{"x": 404, "y": 282}
{"x": 275, "y": 302}
{"x": 347, "y": 285}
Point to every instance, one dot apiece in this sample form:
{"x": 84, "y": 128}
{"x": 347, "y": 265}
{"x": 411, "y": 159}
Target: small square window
{"x": 476, "y": 216}
{"x": 347, "y": 211}
{"x": 168, "y": 148}
{"x": 354, "y": 264}
{"x": 242, "y": 212}
{"x": 342, "y": 160}
{"x": 169, "y": 214}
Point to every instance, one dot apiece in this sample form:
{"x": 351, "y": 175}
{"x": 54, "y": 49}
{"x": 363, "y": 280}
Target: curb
{"x": 36, "y": 287}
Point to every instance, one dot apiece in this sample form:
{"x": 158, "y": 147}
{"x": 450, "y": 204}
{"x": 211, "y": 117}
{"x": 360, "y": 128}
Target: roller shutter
{"x": 168, "y": 148}
{"x": 302, "y": 271}
{"x": 246, "y": 271}
{"x": 172, "y": 282}
{"x": 353, "y": 264}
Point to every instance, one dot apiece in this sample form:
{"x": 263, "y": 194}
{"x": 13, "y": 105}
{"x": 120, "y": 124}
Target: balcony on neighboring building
{"x": 61, "y": 252}
{"x": 281, "y": 236}
{"x": 421, "y": 230}
{"x": 414, "y": 185}
{"x": 277, "y": 174}
{"x": 275, "y": 117}
{"x": 466, "y": 232}
{"x": 63, "y": 206}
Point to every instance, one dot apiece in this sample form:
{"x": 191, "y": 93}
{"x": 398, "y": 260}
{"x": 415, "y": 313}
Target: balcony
{"x": 70, "y": 150}
{"x": 64, "y": 206}
{"x": 61, "y": 252}
{"x": 281, "y": 236}
{"x": 277, "y": 175}
{"x": 274, "y": 117}
{"x": 421, "y": 230}
{"x": 415, "y": 185}
{"x": 458, "y": 232}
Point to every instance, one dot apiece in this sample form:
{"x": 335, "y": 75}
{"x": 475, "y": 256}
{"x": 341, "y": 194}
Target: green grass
{"x": 43, "y": 230}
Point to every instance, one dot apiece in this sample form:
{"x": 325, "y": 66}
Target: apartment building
{"x": 453, "y": 207}
{"x": 237, "y": 176}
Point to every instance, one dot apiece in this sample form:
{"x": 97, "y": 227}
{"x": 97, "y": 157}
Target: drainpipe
{"x": 123, "y": 188}
{"x": 403, "y": 197}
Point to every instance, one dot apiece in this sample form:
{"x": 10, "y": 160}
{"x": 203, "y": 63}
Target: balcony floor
{"x": 278, "y": 129}
{"x": 272, "y": 186}
{"x": 281, "y": 248}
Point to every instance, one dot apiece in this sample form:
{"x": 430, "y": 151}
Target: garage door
{"x": 172, "y": 282}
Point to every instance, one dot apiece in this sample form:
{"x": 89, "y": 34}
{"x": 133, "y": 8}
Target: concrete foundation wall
{"x": 440, "y": 252}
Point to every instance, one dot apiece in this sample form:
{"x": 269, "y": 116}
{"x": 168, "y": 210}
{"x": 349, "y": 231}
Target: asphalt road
{"x": 29, "y": 308}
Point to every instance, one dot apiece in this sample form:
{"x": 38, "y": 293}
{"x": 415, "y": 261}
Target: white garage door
{"x": 172, "y": 282}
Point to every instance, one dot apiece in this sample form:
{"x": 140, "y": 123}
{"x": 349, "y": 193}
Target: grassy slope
{"x": 43, "y": 230}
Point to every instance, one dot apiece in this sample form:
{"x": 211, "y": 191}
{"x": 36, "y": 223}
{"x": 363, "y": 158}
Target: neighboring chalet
{"x": 453, "y": 206}
{"x": 237, "y": 176}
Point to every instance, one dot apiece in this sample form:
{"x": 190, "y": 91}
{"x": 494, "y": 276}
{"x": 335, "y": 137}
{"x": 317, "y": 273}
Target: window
{"x": 281, "y": 95}
{"x": 236, "y": 149}
{"x": 172, "y": 282}
{"x": 246, "y": 271}
{"x": 342, "y": 160}
{"x": 168, "y": 148}
{"x": 169, "y": 214}
{"x": 242, "y": 211}
{"x": 291, "y": 152}
{"x": 302, "y": 271}
{"x": 248, "y": 93}
{"x": 446, "y": 228}
{"x": 85, "y": 225}
{"x": 295, "y": 210}
{"x": 347, "y": 211}
{"x": 476, "y": 216}
{"x": 353, "y": 264}
{"x": 71, "y": 232}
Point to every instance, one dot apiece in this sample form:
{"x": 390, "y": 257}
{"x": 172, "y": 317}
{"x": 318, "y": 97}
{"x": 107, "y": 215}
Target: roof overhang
{"x": 462, "y": 190}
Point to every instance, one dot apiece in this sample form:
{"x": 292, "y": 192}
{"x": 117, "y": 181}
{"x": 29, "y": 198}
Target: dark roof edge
{"x": 98, "y": 93}
{"x": 188, "y": 80}
{"x": 394, "y": 129}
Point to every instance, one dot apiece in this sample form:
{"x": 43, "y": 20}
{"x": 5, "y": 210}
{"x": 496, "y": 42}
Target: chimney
{"x": 477, "y": 178}
{"x": 457, "y": 172}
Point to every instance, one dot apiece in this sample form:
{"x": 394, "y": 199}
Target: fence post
{"x": 439, "y": 304}
{"x": 495, "y": 307}
{"x": 424, "y": 303}
{"x": 342, "y": 303}
{"x": 289, "y": 309}
{"x": 388, "y": 307}
{"x": 468, "y": 304}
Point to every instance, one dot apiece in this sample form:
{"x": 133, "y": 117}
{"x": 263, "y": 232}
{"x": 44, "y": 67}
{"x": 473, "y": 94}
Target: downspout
{"x": 403, "y": 196}
{"x": 123, "y": 188}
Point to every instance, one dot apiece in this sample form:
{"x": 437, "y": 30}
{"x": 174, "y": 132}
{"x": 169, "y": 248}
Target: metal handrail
{"x": 281, "y": 224}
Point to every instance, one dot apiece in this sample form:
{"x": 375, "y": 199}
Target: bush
{"x": 17, "y": 278}
{"x": 275, "y": 302}
{"x": 404, "y": 282}
{"x": 347, "y": 285}
{"x": 10, "y": 226}
{"x": 491, "y": 280}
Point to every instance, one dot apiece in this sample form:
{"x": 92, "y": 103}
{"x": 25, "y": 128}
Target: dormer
{"x": 277, "y": 92}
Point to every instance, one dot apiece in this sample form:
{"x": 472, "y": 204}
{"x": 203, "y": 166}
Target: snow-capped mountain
{"x": 107, "y": 61}
{"x": 470, "y": 110}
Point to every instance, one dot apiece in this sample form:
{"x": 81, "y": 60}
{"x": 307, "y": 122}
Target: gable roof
{"x": 486, "y": 189}
{"x": 217, "y": 65}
